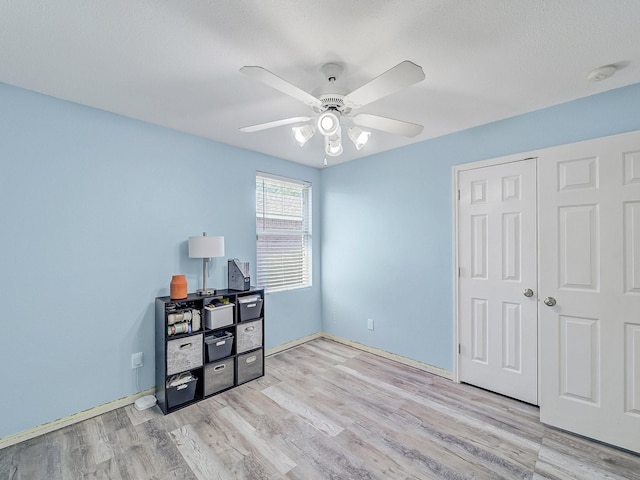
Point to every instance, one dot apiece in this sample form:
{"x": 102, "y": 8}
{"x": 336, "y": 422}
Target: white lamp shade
{"x": 206, "y": 247}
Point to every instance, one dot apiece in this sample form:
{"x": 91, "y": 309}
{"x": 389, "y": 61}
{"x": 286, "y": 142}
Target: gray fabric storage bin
{"x": 218, "y": 345}
{"x": 182, "y": 393}
{"x": 250, "y": 366}
{"x": 218, "y": 376}
{"x": 184, "y": 354}
{"x": 248, "y": 336}
{"x": 250, "y": 307}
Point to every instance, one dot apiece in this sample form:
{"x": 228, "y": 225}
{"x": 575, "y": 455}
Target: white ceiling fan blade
{"x": 401, "y": 76}
{"x": 397, "y": 127}
{"x": 274, "y": 81}
{"x": 275, "y": 123}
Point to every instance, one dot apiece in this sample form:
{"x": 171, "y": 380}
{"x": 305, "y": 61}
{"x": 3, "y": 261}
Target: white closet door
{"x": 589, "y": 237}
{"x": 497, "y": 323}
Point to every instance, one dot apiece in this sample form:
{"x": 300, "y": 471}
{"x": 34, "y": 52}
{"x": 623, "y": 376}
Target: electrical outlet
{"x": 370, "y": 323}
{"x": 136, "y": 360}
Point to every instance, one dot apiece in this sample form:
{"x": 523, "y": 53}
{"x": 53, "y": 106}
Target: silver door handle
{"x": 549, "y": 301}
{"x": 527, "y": 292}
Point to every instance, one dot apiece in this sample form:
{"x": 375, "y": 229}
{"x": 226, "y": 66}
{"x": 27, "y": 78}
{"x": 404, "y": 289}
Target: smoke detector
{"x": 601, "y": 73}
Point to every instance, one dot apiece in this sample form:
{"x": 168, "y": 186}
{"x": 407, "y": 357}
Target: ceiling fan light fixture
{"x": 333, "y": 144}
{"x": 328, "y": 123}
{"x": 303, "y": 134}
{"x": 331, "y": 102}
{"x": 358, "y": 136}
{"x": 334, "y": 149}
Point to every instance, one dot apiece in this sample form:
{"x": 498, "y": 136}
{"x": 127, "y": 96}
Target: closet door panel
{"x": 589, "y": 287}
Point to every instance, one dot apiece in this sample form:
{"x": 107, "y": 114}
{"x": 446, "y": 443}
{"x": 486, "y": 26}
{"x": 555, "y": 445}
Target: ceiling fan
{"x": 332, "y": 104}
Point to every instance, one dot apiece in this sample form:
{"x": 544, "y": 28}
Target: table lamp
{"x": 205, "y": 248}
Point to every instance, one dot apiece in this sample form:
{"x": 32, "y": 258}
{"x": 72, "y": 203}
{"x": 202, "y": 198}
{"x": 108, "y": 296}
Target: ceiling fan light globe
{"x": 334, "y": 150}
{"x": 358, "y": 136}
{"x": 303, "y": 134}
{"x": 328, "y": 123}
{"x": 333, "y": 146}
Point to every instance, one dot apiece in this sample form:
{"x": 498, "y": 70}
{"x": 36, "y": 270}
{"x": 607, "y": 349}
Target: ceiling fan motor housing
{"x": 331, "y": 96}
{"x": 332, "y": 101}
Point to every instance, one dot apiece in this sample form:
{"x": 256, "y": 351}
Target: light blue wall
{"x": 95, "y": 211}
{"x": 387, "y": 248}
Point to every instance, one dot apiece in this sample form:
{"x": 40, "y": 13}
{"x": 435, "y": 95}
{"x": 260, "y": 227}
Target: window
{"x": 283, "y": 227}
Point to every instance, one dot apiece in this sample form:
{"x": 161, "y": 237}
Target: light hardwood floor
{"x": 323, "y": 411}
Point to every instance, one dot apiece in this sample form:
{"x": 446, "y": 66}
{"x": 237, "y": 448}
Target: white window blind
{"x": 283, "y": 227}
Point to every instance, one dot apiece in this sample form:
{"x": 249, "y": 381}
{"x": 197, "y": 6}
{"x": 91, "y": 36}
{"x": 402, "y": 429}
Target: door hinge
{"x": 458, "y": 271}
{"x": 458, "y": 194}
{"x": 459, "y": 349}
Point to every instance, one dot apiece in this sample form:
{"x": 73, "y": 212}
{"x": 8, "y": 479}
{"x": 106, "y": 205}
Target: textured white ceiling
{"x": 176, "y": 63}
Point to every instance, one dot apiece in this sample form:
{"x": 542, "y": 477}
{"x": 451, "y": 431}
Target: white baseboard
{"x": 93, "y": 412}
{"x": 292, "y": 344}
{"x": 366, "y": 348}
{"x": 391, "y": 356}
{"x": 71, "y": 419}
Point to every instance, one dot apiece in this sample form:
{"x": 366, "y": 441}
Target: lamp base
{"x": 205, "y": 292}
